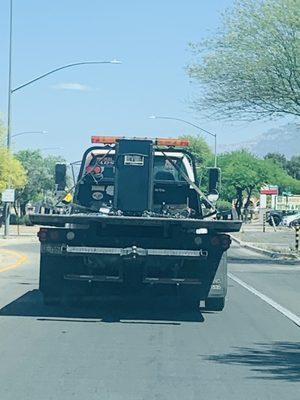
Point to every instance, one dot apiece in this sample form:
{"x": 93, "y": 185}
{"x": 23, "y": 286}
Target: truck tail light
{"x": 89, "y": 169}
{"x": 42, "y": 234}
{"x": 54, "y": 235}
{"x": 222, "y": 241}
{"x": 225, "y": 241}
{"x": 93, "y": 169}
{"x": 215, "y": 241}
{"x": 97, "y": 170}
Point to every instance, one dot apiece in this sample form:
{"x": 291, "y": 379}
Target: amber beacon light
{"x": 105, "y": 139}
{"x": 172, "y": 142}
{"x": 157, "y": 141}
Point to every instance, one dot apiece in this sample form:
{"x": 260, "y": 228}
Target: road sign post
{"x": 8, "y": 197}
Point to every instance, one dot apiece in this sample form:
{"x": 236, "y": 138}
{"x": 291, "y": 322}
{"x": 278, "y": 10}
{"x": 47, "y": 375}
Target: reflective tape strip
{"x": 172, "y": 281}
{"x": 93, "y": 278}
{"x": 93, "y": 250}
{"x": 176, "y": 253}
{"x": 137, "y": 251}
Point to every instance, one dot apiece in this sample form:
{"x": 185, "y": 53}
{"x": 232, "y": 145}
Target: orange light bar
{"x": 105, "y": 139}
{"x": 172, "y": 142}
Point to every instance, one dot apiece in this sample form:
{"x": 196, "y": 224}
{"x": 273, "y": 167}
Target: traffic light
{"x": 60, "y": 176}
{"x": 213, "y": 179}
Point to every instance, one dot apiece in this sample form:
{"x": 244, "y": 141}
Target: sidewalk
{"x": 21, "y": 231}
{"x": 281, "y": 242}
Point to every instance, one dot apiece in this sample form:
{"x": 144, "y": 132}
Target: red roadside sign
{"x": 269, "y": 190}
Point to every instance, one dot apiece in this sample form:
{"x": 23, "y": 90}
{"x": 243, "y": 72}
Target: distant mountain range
{"x": 284, "y": 140}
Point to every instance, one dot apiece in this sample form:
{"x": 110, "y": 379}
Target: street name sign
{"x": 8, "y": 196}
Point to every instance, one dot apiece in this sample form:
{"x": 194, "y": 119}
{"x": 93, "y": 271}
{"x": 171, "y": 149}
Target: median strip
{"x": 21, "y": 258}
{"x": 291, "y": 316}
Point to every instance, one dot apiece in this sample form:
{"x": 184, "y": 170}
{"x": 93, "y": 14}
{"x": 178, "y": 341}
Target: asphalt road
{"x": 109, "y": 352}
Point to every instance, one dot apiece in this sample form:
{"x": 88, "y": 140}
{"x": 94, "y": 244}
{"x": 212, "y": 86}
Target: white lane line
{"x": 271, "y": 302}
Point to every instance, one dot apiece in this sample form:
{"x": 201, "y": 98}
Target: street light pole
{"x": 7, "y": 205}
{"x": 195, "y": 126}
{"x": 11, "y": 91}
{"x": 29, "y": 133}
{"x": 50, "y": 148}
{"x": 63, "y": 67}
{"x": 9, "y": 75}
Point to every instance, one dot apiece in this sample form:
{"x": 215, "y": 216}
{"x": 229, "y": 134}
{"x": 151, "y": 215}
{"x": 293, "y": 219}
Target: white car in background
{"x": 291, "y": 220}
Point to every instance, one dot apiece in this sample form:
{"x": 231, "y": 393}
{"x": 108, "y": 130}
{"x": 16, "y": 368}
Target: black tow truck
{"x": 137, "y": 224}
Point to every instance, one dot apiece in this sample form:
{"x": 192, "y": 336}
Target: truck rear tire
{"x": 215, "y": 303}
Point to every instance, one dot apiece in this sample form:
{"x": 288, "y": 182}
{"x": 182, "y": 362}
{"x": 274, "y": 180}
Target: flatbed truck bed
{"x": 185, "y": 223}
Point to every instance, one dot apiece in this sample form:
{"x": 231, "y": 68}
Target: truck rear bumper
{"x": 127, "y": 252}
{"x": 135, "y": 251}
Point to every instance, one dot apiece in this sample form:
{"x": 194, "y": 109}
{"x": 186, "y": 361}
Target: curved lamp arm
{"x": 63, "y": 67}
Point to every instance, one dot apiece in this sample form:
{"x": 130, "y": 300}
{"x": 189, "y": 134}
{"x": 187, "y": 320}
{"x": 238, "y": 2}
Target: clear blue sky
{"x": 150, "y": 37}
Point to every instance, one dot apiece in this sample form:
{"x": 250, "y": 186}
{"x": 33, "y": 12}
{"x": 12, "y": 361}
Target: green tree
{"x": 202, "y": 154}
{"x": 2, "y": 134}
{"x": 199, "y": 148}
{"x": 243, "y": 174}
{"x": 250, "y": 68}
{"x": 277, "y": 158}
{"x": 40, "y": 171}
{"x": 11, "y": 171}
{"x": 280, "y": 177}
{"x": 293, "y": 167}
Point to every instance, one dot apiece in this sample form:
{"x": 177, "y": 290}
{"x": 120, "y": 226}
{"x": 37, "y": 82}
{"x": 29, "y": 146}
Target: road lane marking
{"x": 21, "y": 259}
{"x": 293, "y": 317}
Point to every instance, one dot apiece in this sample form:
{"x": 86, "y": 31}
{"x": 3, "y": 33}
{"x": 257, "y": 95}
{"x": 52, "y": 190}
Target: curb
{"x": 279, "y": 256}
{"x": 13, "y": 240}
